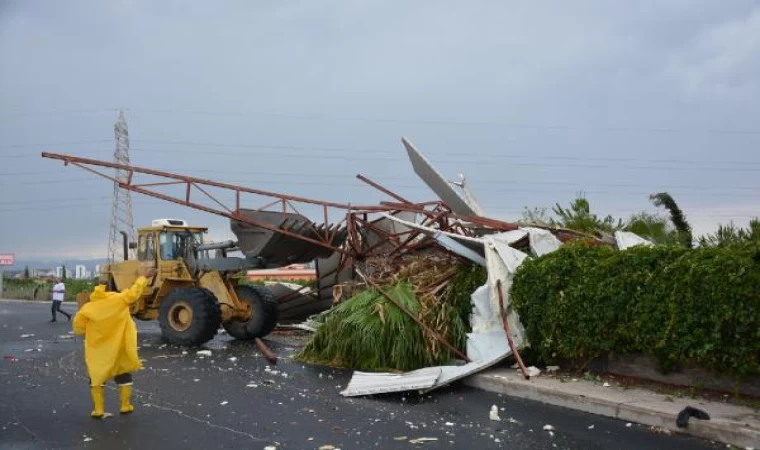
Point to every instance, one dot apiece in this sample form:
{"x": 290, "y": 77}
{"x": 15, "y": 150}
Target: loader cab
{"x": 167, "y": 240}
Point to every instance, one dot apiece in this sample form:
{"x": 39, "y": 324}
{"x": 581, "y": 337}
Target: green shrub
{"x": 700, "y": 306}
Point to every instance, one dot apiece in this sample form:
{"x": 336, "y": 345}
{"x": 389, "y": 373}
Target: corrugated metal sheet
{"x": 366, "y": 383}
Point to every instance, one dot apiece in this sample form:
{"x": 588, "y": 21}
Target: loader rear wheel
{"x": 189, "y": 316}
{"x": 263, "y": 313}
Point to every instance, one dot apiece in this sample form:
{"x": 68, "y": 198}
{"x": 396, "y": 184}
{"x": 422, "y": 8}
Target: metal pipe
{"x": 268, "y": 354}
{"x": 126, "y": 245}
{"x": 217, "y": 245}
{"x": 505, "y": 324}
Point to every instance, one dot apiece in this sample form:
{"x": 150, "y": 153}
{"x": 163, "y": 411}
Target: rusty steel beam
{"x": 268, "y": 354}
{"x": 68, "y": 159}
{"x": 505, "y": 324}
{"x": 82, "y": 162}
{"x": 382, "y": 189}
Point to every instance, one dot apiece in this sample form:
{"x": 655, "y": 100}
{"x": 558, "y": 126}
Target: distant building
{"x": 87, "y": 274}
{"x": 97, "y": 270}
{"x": 59, "y": 272}
{"x": 80, "y": 272}
{"x": 43, "y": 273}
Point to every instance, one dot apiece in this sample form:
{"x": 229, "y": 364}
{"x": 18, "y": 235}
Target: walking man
{"x": 59, "y": 290}
{"x": 110, "y": 347}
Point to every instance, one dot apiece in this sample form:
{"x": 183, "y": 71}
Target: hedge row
{"x": 682, "y": 306}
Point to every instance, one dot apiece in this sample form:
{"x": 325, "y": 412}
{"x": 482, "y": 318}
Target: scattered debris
{"x": 552, "y": 369}
{"x": 400, "y": 438}
{"x": 224, "y": 403}
{"x": 606, "y": 384}
{"x": 268, "y": 354}
{"x": 682, "y": 421}
{"x": 203, "y": 353}
{"x": 422, "y": 440}
{"x": 628, "y": 425}
{"x": 534, "y": 371}
{"x": 327, "y": 447}
{"x": 591, "y": 427}
{"x": 494, "y": 414}
{"x": 24, "y": 336}
{"x": 548, "y": 428}
{"x": 660, "y": 430}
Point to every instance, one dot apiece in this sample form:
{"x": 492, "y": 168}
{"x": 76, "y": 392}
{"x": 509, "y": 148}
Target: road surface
{"x": 233, "y": 399}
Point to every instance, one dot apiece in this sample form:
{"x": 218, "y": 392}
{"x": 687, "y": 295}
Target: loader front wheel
{"x": 189, "y": 316}
{"x": 263, "y": 313}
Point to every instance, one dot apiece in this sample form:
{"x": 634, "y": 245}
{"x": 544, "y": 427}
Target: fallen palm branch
{"x": 409, "y": 314}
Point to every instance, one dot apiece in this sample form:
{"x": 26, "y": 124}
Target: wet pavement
{"x": 235, "y": 399}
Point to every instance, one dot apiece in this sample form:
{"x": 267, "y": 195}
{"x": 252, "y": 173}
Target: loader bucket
{"x": 278, "y": 248}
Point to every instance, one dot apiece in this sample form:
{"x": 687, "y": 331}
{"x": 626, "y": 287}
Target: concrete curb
{"x": 730, "y": 424}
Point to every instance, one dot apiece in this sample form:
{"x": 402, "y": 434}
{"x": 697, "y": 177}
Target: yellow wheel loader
{"x": 193, "y": 291}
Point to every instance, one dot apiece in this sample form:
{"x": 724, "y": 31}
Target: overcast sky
{"x": 532, "y": 101}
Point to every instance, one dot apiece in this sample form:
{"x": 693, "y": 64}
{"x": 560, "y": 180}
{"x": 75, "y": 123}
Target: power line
{"x": 465, "y": 154}
{"x": 56, "y": 144}
{"x": 357, "y": 153}
{"x": 465, "y": 162}
{"x": 52, "y": 200}
{"x": 478, "y": 181}
{"x": 397, "y": 120}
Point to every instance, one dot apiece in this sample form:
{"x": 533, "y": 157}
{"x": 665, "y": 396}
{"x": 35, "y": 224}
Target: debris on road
{"x": 422, "y": 440}
{"x": 534, "y": 371}
{"x": 203, "y": 353}
{"x": 494, "y": 414}
{"x": 682, "y": 421}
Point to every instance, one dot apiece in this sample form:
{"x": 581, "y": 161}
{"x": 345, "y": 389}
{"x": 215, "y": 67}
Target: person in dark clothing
{"x": 59, "y": 290}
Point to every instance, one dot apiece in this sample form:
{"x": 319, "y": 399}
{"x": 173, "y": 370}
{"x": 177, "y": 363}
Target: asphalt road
{"x": 232, "y": 399}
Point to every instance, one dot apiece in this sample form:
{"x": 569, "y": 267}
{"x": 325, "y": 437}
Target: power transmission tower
{"x": 121, "y": 209}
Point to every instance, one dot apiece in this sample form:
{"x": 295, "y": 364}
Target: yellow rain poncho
{"x": 110, "y": 333}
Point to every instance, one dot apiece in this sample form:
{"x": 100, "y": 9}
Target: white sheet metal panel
{"x": 542, "y": 241}
{"x": 626, "y": 239}
{"x": 447, "y": 240}
{"x": 435, "y": 181}
{"x": 367, "y": 383}
{"x": 487, "y": 344}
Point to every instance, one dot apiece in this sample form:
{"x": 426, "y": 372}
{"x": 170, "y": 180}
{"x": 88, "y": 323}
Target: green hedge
{"x": 683, "y": 306}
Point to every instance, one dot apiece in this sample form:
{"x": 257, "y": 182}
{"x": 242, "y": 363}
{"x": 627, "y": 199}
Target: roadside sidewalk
{"x": 730, "y": 424}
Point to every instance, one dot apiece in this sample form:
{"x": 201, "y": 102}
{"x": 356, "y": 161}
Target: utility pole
{"x": 121, "y": 207}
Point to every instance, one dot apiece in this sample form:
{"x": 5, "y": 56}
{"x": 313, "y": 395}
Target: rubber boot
{"x": 125, "y": 393}
{"x": 99, "y": 400}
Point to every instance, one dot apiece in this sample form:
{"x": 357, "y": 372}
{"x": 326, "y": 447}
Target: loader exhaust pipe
{"x": 126, "y": 245}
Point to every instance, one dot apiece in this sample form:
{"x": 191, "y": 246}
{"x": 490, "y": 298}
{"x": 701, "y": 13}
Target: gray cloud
{"x": 534, "y": 101}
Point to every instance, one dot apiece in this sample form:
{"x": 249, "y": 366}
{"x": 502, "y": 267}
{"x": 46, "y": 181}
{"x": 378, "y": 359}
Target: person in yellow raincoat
{"x": 110, "y": 348}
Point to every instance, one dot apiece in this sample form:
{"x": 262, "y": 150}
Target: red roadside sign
{"x": 7, "y": 259}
